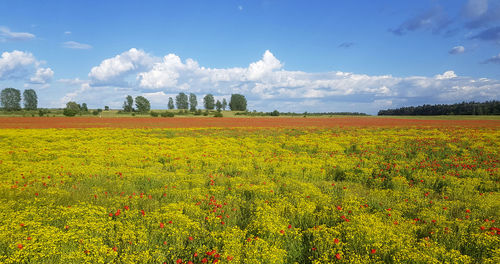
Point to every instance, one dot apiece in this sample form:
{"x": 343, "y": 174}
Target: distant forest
{"x": 464, "y": 108}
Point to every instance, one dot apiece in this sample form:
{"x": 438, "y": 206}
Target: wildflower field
{"x": 353, "y": 194}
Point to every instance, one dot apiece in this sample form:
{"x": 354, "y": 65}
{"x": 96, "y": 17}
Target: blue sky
{"x": 286, "y": 55}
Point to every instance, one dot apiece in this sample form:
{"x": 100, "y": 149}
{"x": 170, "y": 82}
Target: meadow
{"x": 337, "y": 194}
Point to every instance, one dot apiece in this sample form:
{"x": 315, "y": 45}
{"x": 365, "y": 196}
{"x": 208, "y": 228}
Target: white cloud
{"x": 7, "y": 35}
{"x": 268, "y": 86}
{"x": 112, "y": 71}
{"x": 446, "y": 75}
{"x": 457, "y": 50}
{"x": 19, "y": 65}
{"x": 240, "y": 7}
{"x": 42, "y": 76}
{"x": 76, "y": 45}
{"x": 67, "y": 32}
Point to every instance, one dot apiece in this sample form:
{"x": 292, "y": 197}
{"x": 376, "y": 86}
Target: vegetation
{"x": 128, "y": 105}
{"x": 340, "y": 195}
{"x": 30, "y": 99}
{"x": 181, "y": 101}
{"x": 464, "y": 108}
{"x": 193, "y": 102}
{"x": 238, "y": 102}
{"x": 208, "y": 102}
{"x": 10, "y": 99}
{"x": 142, "y": 104}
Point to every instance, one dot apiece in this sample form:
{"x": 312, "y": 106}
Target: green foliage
{"x": 10, "y": 99}
{"x": 170, "y": 103}
{"x": 84, "y": 107}
{"x": 218, "y": 114}
{"x": 198, "y": 112}
{"x": 70, "y": 112}
{"x": 208, "y": 102}
{"x": 30, "y": 99}
{"x": 142, "y": 104}
{"x": 181, "y": 100}
{"x": 128, "y": 104}
{"x": 95, "y": 112}
{"x": 218, "y": 105}
{"x": 167, "y": 114}
{"x": 238, "y": 102}
{"x": 275, "y": 113}
{"x": 154, "y": 114}
{"x": 106, "y": 108}
{"x": 193, "y": 102}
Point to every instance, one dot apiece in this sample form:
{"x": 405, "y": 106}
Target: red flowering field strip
{"x": 142, "y": 122}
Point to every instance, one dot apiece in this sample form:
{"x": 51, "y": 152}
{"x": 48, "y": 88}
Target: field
{"x": 249, "y": 190}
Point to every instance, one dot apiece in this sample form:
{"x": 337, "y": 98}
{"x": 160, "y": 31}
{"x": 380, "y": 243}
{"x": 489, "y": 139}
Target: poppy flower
{"x": 337, "y": 256}
{"x": 20, "y": 246}
{"x": 179, "y": 261}
{"x": 373, "y": 251}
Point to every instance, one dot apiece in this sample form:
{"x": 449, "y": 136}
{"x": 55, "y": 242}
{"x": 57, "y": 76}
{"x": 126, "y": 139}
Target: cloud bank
{"x": 267, "y": 85}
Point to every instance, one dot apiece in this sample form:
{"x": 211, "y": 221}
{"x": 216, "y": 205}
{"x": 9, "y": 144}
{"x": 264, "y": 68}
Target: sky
{"x": 314, "y": 56}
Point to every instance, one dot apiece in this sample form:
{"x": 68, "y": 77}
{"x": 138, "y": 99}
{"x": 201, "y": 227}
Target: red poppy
{"x": 162, "y": 225}
{"x": 336, "y": 241}
{"x": 142, "y": 212}
{"x": 20, "y": 246}
{"x": 204, "y": 260}
{"x": 179, "y": 261}
{"x": 373, "y": 251}
{"x": 337, "y": 256}
{"x": 229, "y": 258}
{"x": 190, "y": 238}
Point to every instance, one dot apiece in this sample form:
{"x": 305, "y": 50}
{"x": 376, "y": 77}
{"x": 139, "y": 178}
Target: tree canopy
{"x": 30, "y": 99}
{"x": 238, "y": 102}
{"x": 193, "y": 102}
{"x": 128, "y": 105}
{"x": 181, "y": 100}
{"x": 142, "y": 104}
{"x": 10, "y": 99}
{"x": 208, "y": 102}
{"x": 170, "y": 103}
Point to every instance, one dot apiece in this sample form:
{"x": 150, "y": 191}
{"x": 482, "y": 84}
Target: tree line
{"x": 237, "y": 102}
{"x": 10, "y": 99}
{"x": 463, "y": 108}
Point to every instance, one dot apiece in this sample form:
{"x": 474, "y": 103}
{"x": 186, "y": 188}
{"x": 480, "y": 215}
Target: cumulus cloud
{"x": 7, "y": 35}
{"x": 42, "y": 76}
{"x": 434, "y": 20}
{"x": 457, "y": 50}
{"x": 19, "y": 65}
{"x": 112, "y": 71}
{"x": 446, "y": 75}
{"x": 494, "y": 59}
{"x": 76, "y": 45}
{"x": 268, "y": 86}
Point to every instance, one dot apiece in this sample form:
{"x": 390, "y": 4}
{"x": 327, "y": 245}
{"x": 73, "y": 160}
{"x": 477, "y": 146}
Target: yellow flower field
{"x": 208, "y": 195}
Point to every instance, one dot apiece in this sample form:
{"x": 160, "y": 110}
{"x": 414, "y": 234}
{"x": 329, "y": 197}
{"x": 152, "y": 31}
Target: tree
{"x": 10, "y": 99}
{"x": 218, "y": 105}
{"x": 238, "y": 102}
{"x": 224, "y": 104}
{"x": 181, "y": 100}
{"x": 30, "y": 99}
{"x": 84, "y": 107}
{"x": 128, "y": 104}
{"x": 170, "y": 103}
{"x": 208, "y": 102}
{"x": 72, "y": 108}
{"x": 193, "y": 102}
{"x": 106, "y": 108}
{"x": 142, "y": 104}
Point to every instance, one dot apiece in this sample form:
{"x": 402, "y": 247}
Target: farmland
{"x": 249, "y": 190}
